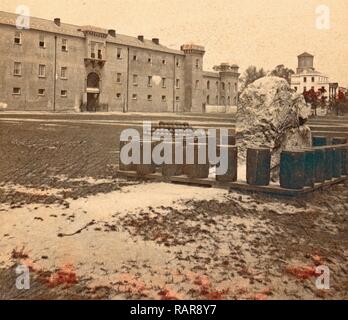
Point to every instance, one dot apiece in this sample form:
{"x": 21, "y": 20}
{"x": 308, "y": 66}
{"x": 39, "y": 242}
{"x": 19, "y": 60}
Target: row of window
{"x": 18, "y": 39}
{"x": 177, "y": 98}
{"x": 150, "y": 59}
{"x": 149, "y": 81}
{"x": 222, "y": 100}
{"x": 17, "y": 70}
{"x": 149, "y": 97}
{"x": 40, "y": 92}
{"x": 321, "y": 79}
{"x": 64, "y": 93}
{"x": 177, "y": 82}
{"x": 223, "y": 86}
{"x": 96, "y": 51}
{"x": 305, "y": 79}
{"x": 305, "y": 88}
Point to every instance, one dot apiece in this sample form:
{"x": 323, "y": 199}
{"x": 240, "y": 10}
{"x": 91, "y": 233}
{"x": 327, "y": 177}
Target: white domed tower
{"x": 307, "y": 78}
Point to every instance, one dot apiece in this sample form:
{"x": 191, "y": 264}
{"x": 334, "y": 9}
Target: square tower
{"x": 305, "y": 62}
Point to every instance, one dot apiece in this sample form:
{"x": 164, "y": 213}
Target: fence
{"x": 301, "y": 171}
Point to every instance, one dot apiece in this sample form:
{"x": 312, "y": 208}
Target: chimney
{"x": 155, "y": 40}
{"x": 141, "y": 38}
{"x": 57, "y": 21}
{"x": 112, "y": 33}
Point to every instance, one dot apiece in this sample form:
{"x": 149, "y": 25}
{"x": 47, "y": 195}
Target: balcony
{"x": 95, "y": 60}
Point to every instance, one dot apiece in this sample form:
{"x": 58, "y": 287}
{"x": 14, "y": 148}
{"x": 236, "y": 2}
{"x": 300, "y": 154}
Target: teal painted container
{"x": 292, "y": 170}
{"x": 319, "y": 165}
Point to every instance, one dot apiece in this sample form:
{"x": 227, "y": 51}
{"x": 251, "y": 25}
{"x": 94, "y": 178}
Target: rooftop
{"x": 305, "y": 54}
{"x": 309, "y": 73}
{"x": 211, "y": 74}
{"x": 39, "y": 24}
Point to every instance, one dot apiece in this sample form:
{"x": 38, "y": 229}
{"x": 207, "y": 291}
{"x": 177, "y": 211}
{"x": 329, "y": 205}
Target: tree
{"x": 311, "y": 97}
{"x": 250, "y": 75}
{"x": 283, "y": 72}
{"x": 340, "y": 102}
{"x": 315, "y": 98}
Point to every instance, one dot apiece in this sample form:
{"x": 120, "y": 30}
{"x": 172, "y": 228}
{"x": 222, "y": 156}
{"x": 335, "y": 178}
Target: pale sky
{"x": 264, "y": 33}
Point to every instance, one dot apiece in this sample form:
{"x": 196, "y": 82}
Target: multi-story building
{"x": 54, "y": 66}
{"x": 307, "y": 78}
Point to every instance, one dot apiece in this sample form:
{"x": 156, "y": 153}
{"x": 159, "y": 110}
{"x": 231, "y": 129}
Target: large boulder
{"x": 271, "y": 114}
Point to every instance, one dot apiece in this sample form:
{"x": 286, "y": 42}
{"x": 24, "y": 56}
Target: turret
{"x": 194, "y": 99}
{"x": 229, "y": 76}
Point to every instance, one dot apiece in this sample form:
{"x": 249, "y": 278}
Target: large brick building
{"x": 53, "y": 66}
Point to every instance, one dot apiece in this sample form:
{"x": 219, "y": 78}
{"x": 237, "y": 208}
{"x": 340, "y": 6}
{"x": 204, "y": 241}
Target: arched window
{"x": 208, "y": 84}
{"x": 93, "y": 80}
{"x": 208, "y": 99}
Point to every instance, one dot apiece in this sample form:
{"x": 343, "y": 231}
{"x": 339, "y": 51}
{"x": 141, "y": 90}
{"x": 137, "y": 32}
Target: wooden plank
{"x": 271, "y": 189}
{"x": 330, "y": 183}
{"x": 239, "y": 185}
{"x": 194, "y": 181}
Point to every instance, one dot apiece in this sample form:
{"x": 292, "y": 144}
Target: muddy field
{"x": 86, "y": 234}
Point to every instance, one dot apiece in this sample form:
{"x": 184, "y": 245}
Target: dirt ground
{"x": 87, "y": 234}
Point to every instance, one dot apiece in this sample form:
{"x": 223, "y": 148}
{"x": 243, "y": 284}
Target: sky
{"x": 264, "y": 33}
